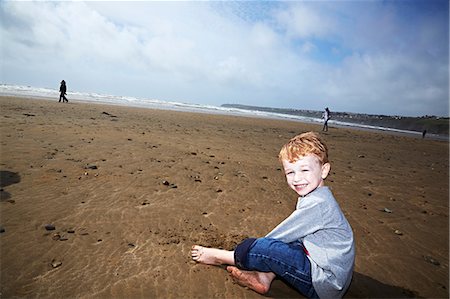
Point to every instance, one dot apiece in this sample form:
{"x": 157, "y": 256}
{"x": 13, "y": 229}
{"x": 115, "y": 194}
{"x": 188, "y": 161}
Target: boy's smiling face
{"x": 305, "y": 174}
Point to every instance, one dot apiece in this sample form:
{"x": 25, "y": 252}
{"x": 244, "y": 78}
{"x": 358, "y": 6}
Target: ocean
{"x": 48, "y": 93}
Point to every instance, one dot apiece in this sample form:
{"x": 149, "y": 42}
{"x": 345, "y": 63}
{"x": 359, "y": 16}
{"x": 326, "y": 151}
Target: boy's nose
{"x": 298, "y": 177}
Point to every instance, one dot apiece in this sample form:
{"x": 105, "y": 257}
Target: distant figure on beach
{"x": 424, "y": 132}
{"x": 313, "y": 249}
{"x": 326, "y": 116}
{"x": 62, "y": 90}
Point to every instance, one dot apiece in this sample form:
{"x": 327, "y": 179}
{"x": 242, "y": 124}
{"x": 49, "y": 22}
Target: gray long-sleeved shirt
{"x": 320, "y": 225}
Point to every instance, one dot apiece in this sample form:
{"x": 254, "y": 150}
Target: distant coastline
{"x": 437, "y": 128}
{"x": 433, "y": 125}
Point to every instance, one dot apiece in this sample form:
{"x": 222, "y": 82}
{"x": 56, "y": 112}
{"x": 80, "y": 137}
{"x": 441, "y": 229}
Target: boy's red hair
{"x": 302, "y": 145}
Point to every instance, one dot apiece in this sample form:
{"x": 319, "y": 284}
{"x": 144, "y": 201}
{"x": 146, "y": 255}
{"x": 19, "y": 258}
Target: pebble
{"x": 386, "y": 210}
{"x": 397, "y": 232}
{"x": 91, "y": 167}
{"x": 49, "y": 227}
{"x": 171, "y": 185}
{"x": 56, "y": 264}
{"x": 431, "y": 260}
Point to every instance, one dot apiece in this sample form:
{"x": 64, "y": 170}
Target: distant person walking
{"x": 424, "y": 132}
{"x": 326, "y": 116}
{"x": 62, "y": 90}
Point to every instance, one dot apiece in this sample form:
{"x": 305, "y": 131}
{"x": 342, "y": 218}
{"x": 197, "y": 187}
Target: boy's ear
{"x": 325, "y": 170}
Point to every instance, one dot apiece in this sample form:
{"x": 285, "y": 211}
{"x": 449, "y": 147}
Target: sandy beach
{"x": 105, "y": 201}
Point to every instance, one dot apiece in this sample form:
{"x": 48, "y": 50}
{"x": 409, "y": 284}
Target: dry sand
{"x": 130, "y": 190}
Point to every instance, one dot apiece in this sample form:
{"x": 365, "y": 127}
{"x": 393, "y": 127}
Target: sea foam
{"x": 38, "y": 92}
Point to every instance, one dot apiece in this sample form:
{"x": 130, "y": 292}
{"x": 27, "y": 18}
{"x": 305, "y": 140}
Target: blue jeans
{"x": 287, "y": 261}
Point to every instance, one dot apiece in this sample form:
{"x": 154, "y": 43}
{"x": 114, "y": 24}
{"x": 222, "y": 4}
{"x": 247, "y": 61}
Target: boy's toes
{"x": 196, "y": 252}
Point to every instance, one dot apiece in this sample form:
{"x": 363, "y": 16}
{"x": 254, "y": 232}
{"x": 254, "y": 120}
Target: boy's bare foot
{"x": 258, "y": 281}
{"x": 212, "y": 256}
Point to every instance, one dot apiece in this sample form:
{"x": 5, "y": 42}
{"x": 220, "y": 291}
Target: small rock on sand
{"x": 431, "y": 260}
{"x": 56, "y": 264}
{"x": 386, "y": 210}
{"x": 171, "y": 185}
{"x": 49, "y": 227}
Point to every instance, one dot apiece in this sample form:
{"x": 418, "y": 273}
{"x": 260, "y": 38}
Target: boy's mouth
{"x": 300, "y": 186}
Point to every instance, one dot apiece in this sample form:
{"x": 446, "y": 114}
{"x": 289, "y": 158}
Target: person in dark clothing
{"x": 62, "y": 90}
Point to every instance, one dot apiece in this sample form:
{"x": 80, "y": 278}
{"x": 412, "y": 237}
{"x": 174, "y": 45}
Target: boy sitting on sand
{"x": 312, "y": 249}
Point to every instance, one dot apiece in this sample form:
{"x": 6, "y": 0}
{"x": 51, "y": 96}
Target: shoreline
{"x": 120, "y": 194}
{"x": 332, "y": 123}
{"x": 405, "y": 124}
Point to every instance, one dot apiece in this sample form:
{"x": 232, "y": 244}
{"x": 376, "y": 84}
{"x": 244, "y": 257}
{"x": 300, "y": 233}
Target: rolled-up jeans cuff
{"x": 241, "y": 252}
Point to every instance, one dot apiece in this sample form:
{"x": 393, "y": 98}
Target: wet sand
{"x": 128, "y": 191}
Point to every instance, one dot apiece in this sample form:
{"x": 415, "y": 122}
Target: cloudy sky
{"x": 378, "y": 57}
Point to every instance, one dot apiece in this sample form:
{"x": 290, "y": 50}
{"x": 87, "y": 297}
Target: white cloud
{"x": 307, "y": 47}
{"x": 263, "y": 36}
{"x": 300, "y": 20}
